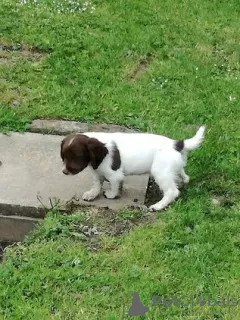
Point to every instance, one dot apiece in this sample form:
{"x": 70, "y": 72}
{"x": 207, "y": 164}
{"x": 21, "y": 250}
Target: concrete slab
{"x": 31, "y": 174}
{"x": 23, "y": 211}
{"x": 14, "y": 229}
{"x": 62, "y": 127}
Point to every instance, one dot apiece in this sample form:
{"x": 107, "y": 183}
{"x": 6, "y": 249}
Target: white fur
{"x": 143, "y": 153}
{"x": 71, "y": 141}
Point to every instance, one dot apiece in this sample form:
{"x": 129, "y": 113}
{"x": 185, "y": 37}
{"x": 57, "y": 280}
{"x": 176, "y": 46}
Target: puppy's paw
{"x": 89, "y": 195}
{"x": 156, "y": 207}
{"x": 186, "y": 179}
{"x": 110, "y": 195}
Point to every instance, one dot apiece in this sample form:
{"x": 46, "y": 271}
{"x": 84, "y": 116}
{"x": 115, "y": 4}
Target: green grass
{"x": 192, "y": 251}
{"x": 81, "y": 66}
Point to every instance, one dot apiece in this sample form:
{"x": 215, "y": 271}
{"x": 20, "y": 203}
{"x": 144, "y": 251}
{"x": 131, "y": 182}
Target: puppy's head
{"x": 78, "y": 151}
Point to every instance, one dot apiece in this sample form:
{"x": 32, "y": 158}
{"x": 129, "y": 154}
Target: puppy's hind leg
{"x": 164, "y": 175}
{"x": 184, "y": 176}
{"x": 170, "y": 193}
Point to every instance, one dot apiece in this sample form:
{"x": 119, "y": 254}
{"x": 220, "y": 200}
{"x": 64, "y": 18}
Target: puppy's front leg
{"x": 96, "y": 188}
{"x": 115, "y": 180}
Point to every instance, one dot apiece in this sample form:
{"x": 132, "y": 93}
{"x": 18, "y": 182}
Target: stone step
{"x": 63, "y": 127}
{"x": 31, "y": 176}
{"x": 14, "y": 228}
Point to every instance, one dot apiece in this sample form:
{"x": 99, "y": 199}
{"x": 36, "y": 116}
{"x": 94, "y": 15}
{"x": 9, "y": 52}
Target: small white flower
{"x": 232, "y": 98}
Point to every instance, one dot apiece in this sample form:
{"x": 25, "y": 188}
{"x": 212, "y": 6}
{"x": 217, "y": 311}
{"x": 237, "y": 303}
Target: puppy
{"x": 111, "y": 156}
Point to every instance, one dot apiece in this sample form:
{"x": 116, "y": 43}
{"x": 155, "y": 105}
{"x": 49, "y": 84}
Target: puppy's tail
{"x": 192, "y": 143}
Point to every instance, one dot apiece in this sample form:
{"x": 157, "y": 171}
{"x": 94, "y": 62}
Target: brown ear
{"x": 62, "y": 144}
{"x": 97, "y": 151}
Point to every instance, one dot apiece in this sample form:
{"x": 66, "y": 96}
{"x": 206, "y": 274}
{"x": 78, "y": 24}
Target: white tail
{"x": 195, "y": 142}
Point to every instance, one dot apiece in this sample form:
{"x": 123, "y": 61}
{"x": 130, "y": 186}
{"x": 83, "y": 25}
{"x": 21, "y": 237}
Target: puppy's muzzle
{"x": 65, "y": 171}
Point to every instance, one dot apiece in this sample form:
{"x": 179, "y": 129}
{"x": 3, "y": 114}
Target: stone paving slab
{"x": 62, "y": 127}
{"x": 15, "y": 228}
{"x": 31, "y": 174}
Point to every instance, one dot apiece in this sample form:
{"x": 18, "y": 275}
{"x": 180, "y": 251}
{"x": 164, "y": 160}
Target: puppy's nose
{"x": 65, "y": 171}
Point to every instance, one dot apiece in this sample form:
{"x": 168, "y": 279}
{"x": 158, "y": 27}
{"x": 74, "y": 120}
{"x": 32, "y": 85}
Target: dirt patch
{"x": 105, "y": 222}
{"x": 8, "y": 97}
{"x": 141, "y": 67}
{"x": 222, "y": 201}
{"x": 9, "y": 52}
{"x": 4, "y": 60}
{"x": 114, "y": 223}
{"x": 153, "y": 193}
{"x": 3, "y": 246}
{"x": 10, "y": 55}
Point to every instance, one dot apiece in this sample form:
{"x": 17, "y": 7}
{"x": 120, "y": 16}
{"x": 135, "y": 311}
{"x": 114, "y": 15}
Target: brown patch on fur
{"x": 74, "y": 153}
{"x": 116, "y": 159}
{"x": 179, "y": 145}
{"x": 97, "y": 151}
{"x": 78, "y": 150}
{"x": 8, "y": 52}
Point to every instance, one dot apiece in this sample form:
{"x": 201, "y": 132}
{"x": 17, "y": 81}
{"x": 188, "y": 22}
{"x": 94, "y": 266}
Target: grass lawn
{"x": 159, "y": 66}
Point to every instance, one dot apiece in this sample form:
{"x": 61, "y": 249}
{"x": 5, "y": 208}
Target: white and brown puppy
{"x": 112, "y": 156}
